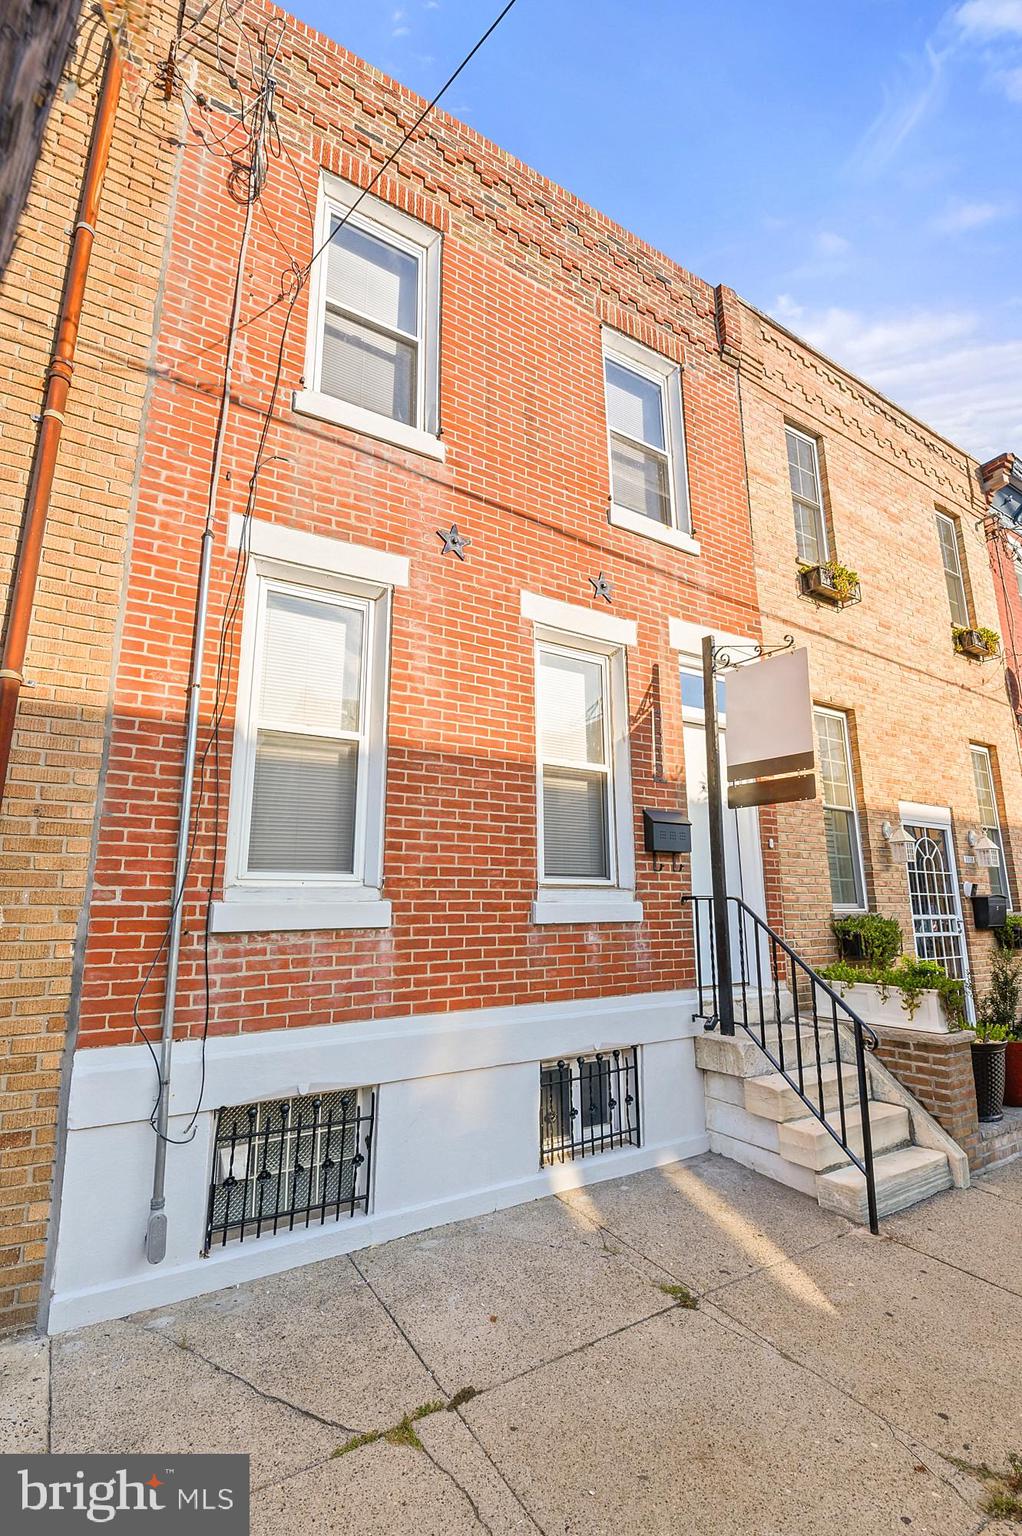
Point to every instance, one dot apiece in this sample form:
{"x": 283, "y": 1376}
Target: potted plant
{"x": 978, "y": 644}
{"x": 868, "y": 937}
{"x": 997, "y": 1012}
{"x": 918, "y": 994}
{"x": 1013, "y": 1067}
{"x": 830, "y": 582}
{"x": 1010, "y": 936}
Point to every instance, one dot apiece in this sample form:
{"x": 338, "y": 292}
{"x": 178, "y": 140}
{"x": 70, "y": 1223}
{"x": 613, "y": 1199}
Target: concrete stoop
{"x": 755, "y": 1117}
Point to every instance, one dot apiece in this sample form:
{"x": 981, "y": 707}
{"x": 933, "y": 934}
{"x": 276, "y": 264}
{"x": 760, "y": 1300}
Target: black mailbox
{"x": 666, "y": 832}
{"x": 990, "y": 911}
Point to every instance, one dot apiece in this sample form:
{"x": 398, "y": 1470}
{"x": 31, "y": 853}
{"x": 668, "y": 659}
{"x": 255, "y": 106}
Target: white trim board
{"x": 318, "y": 552}
{"x": 685, "y": 636}
{"x": 573, "y": 619}
{"x": 113, "y": 1085}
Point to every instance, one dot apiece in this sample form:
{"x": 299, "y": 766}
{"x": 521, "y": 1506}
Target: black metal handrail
{"x": 766, "y": 965}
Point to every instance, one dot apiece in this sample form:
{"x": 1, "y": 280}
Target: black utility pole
{"x": 718, "y": 876}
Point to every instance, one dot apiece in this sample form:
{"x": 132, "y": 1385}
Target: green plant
{"x": 842, "y": 580}
{"x": 990, "y": 638}
{"x": 912, "y": 978}
{"x": 879, "y": 939}
{"x": 997, "y": 1008}
{"x": 1010, "y": 936}
{"x": 681, "y": 1296}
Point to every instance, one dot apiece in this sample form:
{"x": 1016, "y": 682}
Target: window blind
{"x": 640, "y": 466}
{"x": 575, "y": 778}
{"x": 371, "y": 325}
{"x": 308, "y": 715}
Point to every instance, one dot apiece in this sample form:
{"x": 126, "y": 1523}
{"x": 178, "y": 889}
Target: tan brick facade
{"x": 913, "y": 705}
{"x": 55, "y": 769}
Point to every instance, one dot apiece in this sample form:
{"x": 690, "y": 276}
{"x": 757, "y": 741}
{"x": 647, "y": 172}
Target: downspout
{"x": 156, "y": 1229}
{"x": 51, "y": 421}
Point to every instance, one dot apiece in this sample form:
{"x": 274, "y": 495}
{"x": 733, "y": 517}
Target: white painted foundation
{"x": 457, "y": 1134}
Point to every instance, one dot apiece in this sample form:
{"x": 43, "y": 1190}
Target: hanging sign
{"x": 770, "y": 742}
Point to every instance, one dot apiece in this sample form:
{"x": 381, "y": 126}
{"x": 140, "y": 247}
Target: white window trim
{"x": 822, "y": 531}
{"x": 953, "y": 525}
{"x": 259, "y": 904}
{"x": 563, "y": 900}
{"x": 845, "y": 909}
{"x": 376, "y": 217}
{"x": 667, "y": 375}
{"x": 974, "y": 748}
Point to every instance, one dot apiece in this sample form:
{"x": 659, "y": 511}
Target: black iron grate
{"x": 290, "y": 1162}
{"x": 587, "y": 1105}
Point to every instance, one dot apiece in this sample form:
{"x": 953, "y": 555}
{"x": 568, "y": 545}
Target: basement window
{"x": 286, "y": 1163}
{"x": 588, "y": 1104}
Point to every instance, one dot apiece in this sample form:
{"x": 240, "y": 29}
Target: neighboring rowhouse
{"x": 478, "y": 497}
{"x": 55, "y": 767}
{"x": 871, "y": 548}
{"x": 1002, "y": 482}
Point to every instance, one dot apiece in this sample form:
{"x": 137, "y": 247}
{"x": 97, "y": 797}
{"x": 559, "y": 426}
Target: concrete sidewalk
{"x": 826, "y": 1381}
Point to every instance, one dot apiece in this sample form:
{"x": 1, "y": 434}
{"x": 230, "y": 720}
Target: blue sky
{"x": 851, "y": 166}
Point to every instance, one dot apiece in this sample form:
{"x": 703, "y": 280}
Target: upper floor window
{"x": 646, "y": 441}
{"x": 840, "y": 817}
{"x": 806, "y": 497}
{"x": 951, "y": 554}
{"x": 372, "y": 357}
{"x": 989, "y": 819}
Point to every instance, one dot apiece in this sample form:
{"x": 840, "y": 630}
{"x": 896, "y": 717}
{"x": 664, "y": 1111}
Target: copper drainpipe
{"x": 51, "y": 421}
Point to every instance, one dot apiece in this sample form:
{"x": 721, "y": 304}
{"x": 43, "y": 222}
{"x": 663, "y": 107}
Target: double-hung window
{"x": 951, "y": 555}
{"x": 989, "y": 820}
{"x": 646, "y": 440}
{"x": 840, "y": 817}
{"x": 305, "y": 829}
{"x": 585, "y": 851}
{"x": 576, "y": 779}
{"x": 806, "y": 497}
{"x": 372, "y": 357}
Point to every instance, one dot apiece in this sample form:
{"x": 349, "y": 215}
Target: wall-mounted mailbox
{"x": 990, "y": 911}
{"x": 666, "y": 832}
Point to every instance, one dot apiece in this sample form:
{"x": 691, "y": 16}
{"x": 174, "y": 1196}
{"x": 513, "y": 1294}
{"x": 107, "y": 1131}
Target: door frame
{"x": 913, "y": 813}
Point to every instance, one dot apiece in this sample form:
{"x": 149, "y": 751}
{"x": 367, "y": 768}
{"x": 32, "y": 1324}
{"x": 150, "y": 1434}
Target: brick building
{"x": 45, "y": 838}
{"x": 912, "y": 734}
{"x": 417, "y": 886}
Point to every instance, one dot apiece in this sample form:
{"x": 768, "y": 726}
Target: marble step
{"x": 903, "y": 1178}
{"x": 771, "y": 1096}
{"x": 807, "y": 1143}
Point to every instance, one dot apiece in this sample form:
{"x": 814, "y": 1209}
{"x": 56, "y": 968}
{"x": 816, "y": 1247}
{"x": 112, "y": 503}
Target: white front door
{"x": 743, "y": 859}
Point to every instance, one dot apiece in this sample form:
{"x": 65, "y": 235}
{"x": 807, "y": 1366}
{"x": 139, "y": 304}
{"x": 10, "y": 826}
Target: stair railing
{"x": 766, "y": 965}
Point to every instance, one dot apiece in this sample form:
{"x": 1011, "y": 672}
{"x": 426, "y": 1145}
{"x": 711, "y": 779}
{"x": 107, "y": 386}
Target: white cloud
{"x": 958, "y": 218}
{"x": 934, "y": 363}
{"x": 990, "y": 18}
{"x": 1010, "y": 81}
{"x": 830, "y": 244}
{"x": 906, "y": 104}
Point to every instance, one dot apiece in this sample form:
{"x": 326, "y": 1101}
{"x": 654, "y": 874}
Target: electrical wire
{"x": 246, "y": 180}
{"x": 374, "y": 180}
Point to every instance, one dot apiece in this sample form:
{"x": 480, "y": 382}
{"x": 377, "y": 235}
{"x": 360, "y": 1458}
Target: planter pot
{"x": 969, "y": 642}
{"x": 1013, "y": 1074}
{"x": 988, "y": 1071}
{"x": 865, "y": 999}
{"x": 816, "y": 582}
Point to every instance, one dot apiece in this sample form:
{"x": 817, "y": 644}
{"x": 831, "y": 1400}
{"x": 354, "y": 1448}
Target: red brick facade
{"x": 529, "y": 277}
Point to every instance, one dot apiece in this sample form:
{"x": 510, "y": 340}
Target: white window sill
{"x": 291, "y": 909}
{"x": 310, "y": 402}
{"x": 586, "y": 907}
{"x": 647, "y": 528}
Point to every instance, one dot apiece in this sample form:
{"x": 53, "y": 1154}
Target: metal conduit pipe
{"x": 51, "y": 421}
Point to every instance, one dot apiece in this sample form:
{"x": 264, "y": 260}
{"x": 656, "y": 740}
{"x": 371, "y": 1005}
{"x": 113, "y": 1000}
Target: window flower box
{"x": 977, "y": 644}
{"x": 830, "y": 583}
{"x": 880, "y": 1005}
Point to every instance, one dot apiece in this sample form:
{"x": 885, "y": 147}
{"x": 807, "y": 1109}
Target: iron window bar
{"x": 763, "y": 963}
{"x": 588, "y": 1104}
{"x": 285, "y": 1163}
